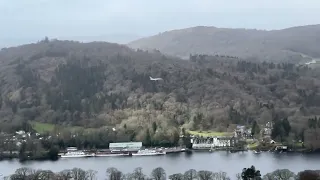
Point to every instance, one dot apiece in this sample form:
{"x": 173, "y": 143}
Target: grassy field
{"x": 209, "y": 133}
{"x": 42, "y": 127}
{"x": 253, "y": 145}
{"x": 47, "y": 127}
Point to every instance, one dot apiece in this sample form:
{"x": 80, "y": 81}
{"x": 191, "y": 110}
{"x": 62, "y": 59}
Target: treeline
{"x": 281, "y": 130}
{"x": 48, "y": 146}
{"x": 31, "y": 149}
{"x": 312, "y": 132}
{"x": 159, "y": 174}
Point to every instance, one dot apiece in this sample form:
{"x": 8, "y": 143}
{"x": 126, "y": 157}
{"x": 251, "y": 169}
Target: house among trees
{"x": 267, "y": 131}
{"x": 269, "y": 125}
{"x": 242, "y": 132}
{"x": 20, "y": 132}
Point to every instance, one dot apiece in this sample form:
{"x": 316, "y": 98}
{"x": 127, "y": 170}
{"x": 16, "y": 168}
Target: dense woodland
{"x": 159, "y": 173}
{"x": 100, "y": 86}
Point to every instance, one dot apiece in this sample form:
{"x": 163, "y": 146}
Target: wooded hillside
{"x": 258, "y": 45}
{"x": 101, "y": 84}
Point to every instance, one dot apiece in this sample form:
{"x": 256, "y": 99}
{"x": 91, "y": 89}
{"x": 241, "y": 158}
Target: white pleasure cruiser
{"x": 147, "y": 152}
{"x": 110, "y": 154}
{"x": 73, "y": 152}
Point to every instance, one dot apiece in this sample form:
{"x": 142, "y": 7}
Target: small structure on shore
{"x": 281, "y": 149}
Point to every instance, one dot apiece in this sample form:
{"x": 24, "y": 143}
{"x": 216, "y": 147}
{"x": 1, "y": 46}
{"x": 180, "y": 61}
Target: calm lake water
{"x": 232, "y": 163}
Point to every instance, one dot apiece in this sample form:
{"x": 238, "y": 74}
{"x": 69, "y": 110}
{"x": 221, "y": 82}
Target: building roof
{"x": 125, "y": 144}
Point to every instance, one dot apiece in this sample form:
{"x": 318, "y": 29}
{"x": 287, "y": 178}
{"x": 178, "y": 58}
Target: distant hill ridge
{"x": 274, "y": 45}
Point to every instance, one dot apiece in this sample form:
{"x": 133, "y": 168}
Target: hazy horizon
{"x": 124, "y": 20}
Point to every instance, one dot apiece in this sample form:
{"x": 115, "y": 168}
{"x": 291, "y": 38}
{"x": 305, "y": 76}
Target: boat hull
{"x": 149, "y": 154}
{"x": 110, "y": 155}
{"x": 256, "y": 152}
{"x": 76, "y": 156}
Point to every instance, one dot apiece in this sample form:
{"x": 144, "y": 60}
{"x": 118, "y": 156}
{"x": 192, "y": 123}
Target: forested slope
{"x": 258, "y": 45}
{"x": 100, "y": 84}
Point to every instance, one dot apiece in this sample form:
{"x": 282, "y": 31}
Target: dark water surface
{"x": 232, "y": 163}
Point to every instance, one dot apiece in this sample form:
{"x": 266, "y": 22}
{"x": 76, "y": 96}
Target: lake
{"x": 232, "y": 163}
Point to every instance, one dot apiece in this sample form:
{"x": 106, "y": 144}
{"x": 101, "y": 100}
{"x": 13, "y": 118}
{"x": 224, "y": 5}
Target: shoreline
{"x": 169, "y": 151}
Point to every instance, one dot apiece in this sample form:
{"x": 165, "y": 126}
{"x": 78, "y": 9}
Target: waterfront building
{"x": 213, "y": 142}
{"x": 242, "y": 132}
{"x": 125, "y": 146}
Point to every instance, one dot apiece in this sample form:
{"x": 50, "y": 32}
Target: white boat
{"x": 147, "y": 152}
{"x": 256, "y": 152}
{"x": 72, "y": 149}
{"x": 211, "y": 150}
{"x": 111, "y": 155}
{"x": 76, "y": 154}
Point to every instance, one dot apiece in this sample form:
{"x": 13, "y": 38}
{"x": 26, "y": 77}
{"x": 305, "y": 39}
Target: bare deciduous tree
{"x": 158, "y": 174}
{"x": 78, "y": 174}
{"x": 137, "y": 174}
{"x": 91, "y": 175}
{"x": 191, "y": 174}
{"x": 279, "y": 174}
{"x": 114, "y": 174}
{"x": 64, "y": 175}
{"x": 178, "y": 176}
{"x": 220, "y": 176}
{"x": 205, "y": 175}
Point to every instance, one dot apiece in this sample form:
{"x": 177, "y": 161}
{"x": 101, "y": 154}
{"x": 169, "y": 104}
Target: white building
{"x": 126, "y": 146}
{"x": 20, "y": 132}
{"x": 208, "y": 143}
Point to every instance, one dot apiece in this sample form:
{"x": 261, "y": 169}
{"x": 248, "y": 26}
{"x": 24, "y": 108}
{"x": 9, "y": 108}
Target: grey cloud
{"x": 66, "y": 18}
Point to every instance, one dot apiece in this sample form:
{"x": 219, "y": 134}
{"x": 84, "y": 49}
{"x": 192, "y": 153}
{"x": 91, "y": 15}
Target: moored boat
{"x": 73, "y": 152}
{"x": 256, "y": 152}
{"x": 110, "y": 154}
{"x": 76, "y": 154}
{"x": 147, "y": 152}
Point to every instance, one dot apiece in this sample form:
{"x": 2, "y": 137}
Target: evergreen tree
{"x": 286, "y": 126}
{"x": 148, "y": 141}
{"x": 278, "y": 130}
{"x": 250, "y": 174}
{"x": 22, "y": 151}
{"x": 255, "y": 130}
{"x": 154, "y": 126}
{"x": 281, "y": 129}
{"x": 312, "y": 123}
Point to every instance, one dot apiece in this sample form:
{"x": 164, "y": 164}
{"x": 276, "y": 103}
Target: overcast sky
{"x": 25, "y": 19}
